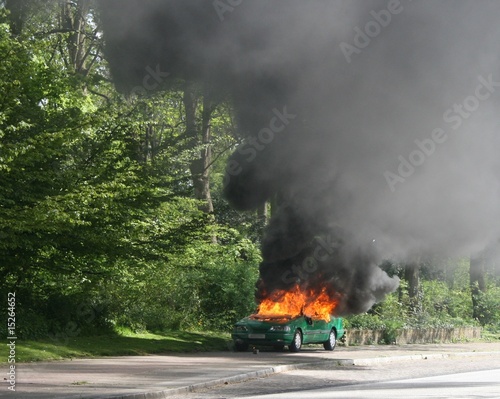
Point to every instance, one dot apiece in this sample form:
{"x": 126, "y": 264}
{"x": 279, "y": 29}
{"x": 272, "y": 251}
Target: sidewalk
{"x": 160, "y": 376}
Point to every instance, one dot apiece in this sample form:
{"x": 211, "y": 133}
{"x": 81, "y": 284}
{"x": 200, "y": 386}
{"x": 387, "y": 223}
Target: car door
{"x": 314, "y": 330}
{"x": 308, "y": 330}
{"x": 321, "y": 330}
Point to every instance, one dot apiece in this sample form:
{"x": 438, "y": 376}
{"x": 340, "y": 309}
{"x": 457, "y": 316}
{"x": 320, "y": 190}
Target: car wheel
{"x": 332, "y": 341}
{"x": 278, "y": 348}
{"x": 296, "y": 342}
{"x": 241, "y": 346}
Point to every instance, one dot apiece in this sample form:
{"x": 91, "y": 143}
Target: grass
{"x": 490, "y": 336}
{"x": 123, "y": 343}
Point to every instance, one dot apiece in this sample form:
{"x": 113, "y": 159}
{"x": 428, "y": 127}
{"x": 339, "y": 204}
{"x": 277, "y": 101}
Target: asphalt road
{"x": 367, "y": 371}
{"x": 477, "y": 384}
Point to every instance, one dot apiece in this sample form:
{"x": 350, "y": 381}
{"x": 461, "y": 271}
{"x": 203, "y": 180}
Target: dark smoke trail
{"x": 367, "y": 120}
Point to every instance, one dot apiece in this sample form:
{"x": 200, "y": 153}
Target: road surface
{"x": 381, "y": 377}
{"x": 477, "y": 384}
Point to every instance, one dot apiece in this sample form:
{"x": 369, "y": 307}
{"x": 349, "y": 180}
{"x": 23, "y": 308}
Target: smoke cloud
{"x": 373, "y": 124}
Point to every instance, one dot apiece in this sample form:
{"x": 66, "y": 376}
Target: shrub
{"x": 208, "y": 286}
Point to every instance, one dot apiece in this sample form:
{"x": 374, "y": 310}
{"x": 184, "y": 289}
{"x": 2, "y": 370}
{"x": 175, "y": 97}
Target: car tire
{"x": 296, "y": 342}
{"x": 332, "y": 341}
{"x": 240, "y": 346}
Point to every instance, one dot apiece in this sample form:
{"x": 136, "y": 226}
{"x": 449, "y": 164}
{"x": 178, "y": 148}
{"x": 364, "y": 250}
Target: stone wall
{"x": 412, "y": 336}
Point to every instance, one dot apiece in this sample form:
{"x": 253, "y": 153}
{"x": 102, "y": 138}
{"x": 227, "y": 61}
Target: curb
{"x": 209, "y": 384}
{"x": 165, "y": 394}
{"x": 388, "y": 359}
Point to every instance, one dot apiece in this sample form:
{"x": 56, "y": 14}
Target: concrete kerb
{"x": 209, "y": 384}
{"x": 388, "y": 359}
{"x": 165, "y": 394}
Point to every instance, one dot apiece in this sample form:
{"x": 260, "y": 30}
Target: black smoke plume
{"x": 373, "y": 125}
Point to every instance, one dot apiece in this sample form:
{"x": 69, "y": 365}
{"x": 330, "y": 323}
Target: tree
{"x": 99, "y": 194}
{"x": 18, "y": 11}
{"x": 83, "y": 46}
{"x": 412, "y": 276}
{"x": 477, "y": 285}
{"x": 199, "y": 135}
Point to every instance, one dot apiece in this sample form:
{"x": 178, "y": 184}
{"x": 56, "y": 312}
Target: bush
{"x": 489, "y": 303}
{"x": 440, "y": 307}
{"x": 206, "y": 287}
{"x": 442, "y": 303}
{"x": 37, "y": 327}
{"x": 364, "y": 321}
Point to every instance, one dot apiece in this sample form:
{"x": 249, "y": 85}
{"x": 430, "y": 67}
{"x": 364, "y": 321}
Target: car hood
{"x": 252, "y": 322}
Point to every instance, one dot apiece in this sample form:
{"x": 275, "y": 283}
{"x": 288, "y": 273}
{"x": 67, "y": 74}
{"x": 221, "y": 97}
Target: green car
{"x": 279, "y": 331}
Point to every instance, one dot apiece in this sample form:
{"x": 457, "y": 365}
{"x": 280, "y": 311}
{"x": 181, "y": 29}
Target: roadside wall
{"x": 412, "y": 336}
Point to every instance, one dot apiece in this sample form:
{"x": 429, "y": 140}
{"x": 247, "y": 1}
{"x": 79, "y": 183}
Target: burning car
{"x": 291, "y": 318}
{"x": 292, "y": 331}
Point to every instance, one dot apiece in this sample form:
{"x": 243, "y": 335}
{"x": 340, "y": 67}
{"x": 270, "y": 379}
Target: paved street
{"x": 477, "y": 384}
{"x": 169, "y": 375}
{"x": 328, "y": 374}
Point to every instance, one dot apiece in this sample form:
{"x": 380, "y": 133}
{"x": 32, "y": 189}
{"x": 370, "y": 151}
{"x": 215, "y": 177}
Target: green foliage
{"x": 445, "y": 305}
{"x": 489, "y": 303}
{"x": 204, "y": 286}
{"x": 364, "y": 321}
{"x": 98, "y": 227}
{"x": 441, "y": 303}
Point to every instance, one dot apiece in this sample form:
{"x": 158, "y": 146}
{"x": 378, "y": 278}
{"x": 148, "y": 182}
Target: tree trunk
{"x": 74, "y": 20}
{"x": 200, "y": 167}
{"x": 263, "y": 214}
{"x": 477, "y": 284}
{"x": 412, "y": 276}
{"x": 17, "y": 16}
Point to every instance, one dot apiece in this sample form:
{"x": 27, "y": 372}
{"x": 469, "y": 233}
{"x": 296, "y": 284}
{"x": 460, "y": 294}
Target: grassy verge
{"x": 123, "y": 343}
{"x": 491, "y": 336}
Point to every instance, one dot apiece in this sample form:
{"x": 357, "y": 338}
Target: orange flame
{"x": 296, "y": 302}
